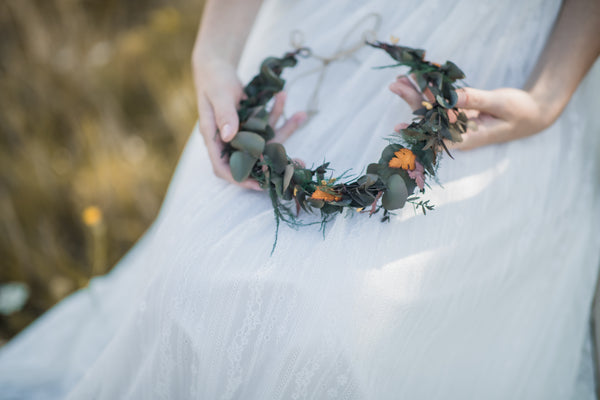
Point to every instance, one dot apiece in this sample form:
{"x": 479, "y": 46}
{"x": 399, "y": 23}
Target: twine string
{"x": 342, "y": 52}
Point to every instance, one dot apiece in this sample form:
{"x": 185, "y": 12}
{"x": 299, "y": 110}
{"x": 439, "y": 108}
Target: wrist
{"x": 207, "y": 54}
{"x": 550, "y": 106}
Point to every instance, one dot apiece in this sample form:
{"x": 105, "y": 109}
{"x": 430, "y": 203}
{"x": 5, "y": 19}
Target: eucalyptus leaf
{"x": 250, "y": 142}
{"x": 302, "y": 176}
{"x": 396, "y": 194}
{"x": 388, "y": 153}
{"x": 276, "y": 154}
{"x": 254, "y": 124}
{"x": 373, "y": 168}
{"x": 241, "y": 165}
{"x": 269, "y": 133}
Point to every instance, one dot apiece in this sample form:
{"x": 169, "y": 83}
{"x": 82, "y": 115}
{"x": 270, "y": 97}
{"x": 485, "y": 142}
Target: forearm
{"x": 223, "y": 30}
{"x": 571, "y": 50}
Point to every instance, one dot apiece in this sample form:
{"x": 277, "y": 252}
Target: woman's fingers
{"x": 214, "y": 145}
{"x": 290, "y": 126}
{"x": 277, "y": 109}
{"x": 486, "y": 101}
{"x": 404, "y": 88}
{"x": 206, "y": 116}
{"x": 400, "y": 126}
{"x": 489, "y": 130}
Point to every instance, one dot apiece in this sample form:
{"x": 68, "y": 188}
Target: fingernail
{"x": 227, "y": 132}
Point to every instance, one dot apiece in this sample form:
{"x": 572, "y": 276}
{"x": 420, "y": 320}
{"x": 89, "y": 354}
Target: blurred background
{"x": 97, "y": 101}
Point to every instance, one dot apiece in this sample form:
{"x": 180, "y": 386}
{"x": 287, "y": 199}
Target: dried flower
{"x": 403, "y": 158}
{"x": 325, "y": 195}
{"x": 418, "y": 174}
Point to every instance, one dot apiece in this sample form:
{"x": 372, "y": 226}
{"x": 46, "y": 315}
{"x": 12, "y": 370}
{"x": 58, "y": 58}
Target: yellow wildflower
{"x": 91, "y": 216}
{"x": 427, "y": 105}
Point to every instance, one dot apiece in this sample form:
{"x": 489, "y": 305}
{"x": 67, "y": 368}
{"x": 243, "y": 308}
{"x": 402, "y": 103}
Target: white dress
{"x": 486, "y": 297}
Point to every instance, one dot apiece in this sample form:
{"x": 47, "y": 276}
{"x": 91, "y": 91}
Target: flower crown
{"x": 388, "y": 184}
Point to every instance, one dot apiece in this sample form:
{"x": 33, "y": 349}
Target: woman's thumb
{"x": 226, "y": 116}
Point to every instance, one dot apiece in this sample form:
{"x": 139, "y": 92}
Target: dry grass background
{"x": 96, "y": 102}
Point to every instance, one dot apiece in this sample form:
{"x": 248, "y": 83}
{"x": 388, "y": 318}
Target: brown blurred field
{"x": 97, "y": 102}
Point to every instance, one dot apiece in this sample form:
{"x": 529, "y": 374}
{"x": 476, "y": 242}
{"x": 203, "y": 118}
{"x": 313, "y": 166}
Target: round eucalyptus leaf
{"x": 396, "y": 194}
{"x": 302, "y": 176}
{"x": 241, "y": 165}
{"x": 373, "y": 168}
{"x": 269, "y": 133}
{"x": 276, "y": 154}
{"x": 254, "y": 124}
{"x": 250, "y": 142}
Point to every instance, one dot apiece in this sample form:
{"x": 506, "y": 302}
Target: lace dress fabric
{"x": 488, "y": 296}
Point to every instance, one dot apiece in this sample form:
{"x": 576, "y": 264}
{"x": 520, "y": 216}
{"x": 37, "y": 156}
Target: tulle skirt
{"x": 488, "y": 296}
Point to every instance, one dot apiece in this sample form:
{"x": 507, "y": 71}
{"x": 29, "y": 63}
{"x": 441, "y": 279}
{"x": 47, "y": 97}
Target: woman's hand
{"x": 218, "y": 92}
{"x": 500, "y": 115}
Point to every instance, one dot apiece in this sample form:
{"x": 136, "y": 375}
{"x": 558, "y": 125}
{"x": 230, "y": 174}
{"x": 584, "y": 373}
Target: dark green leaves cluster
{"x": 439, "y": 79}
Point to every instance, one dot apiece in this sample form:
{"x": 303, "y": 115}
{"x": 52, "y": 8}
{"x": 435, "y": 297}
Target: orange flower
{"x": 323, "y": 195}
{"x": 403, "y": 158}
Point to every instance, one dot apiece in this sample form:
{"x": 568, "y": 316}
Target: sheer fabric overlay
{"x": 488, "y": 296}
